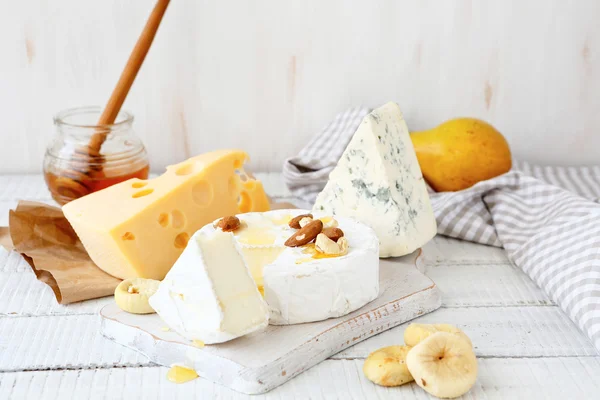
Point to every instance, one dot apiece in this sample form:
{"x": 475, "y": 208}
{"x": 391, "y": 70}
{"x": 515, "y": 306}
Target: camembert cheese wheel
{"x": 301, "y": 284}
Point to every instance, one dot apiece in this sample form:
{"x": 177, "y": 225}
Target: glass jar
{"x": 85, "y": 157}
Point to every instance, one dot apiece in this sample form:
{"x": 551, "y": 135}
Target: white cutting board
{"x": 264, "y": 360}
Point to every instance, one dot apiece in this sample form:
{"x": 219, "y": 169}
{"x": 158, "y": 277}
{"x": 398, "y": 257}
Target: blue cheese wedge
{"x": 378, "y": 181}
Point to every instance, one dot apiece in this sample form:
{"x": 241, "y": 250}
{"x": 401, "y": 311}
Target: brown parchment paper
{"x": 49, "y": 244}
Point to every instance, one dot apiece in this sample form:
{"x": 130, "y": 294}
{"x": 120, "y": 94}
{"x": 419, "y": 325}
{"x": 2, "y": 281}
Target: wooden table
{"x": 527, "y": 347}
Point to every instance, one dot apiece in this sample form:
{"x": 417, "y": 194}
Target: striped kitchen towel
{"x": 546, "y": 218}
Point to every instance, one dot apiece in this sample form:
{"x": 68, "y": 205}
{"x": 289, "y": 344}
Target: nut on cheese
{"x": 138, "y": 228}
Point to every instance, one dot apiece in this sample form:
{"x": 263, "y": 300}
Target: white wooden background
{"x": 265, "y": 75}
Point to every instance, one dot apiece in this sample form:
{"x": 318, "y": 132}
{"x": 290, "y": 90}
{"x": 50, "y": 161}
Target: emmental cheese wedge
{"x": 138, "y": 228}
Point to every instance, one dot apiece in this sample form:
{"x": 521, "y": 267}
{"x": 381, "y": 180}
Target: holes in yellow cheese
{"x": 177, "y": 219}
{"x": 181, "y": 240}
{"x": 138, "y": 185}
{"x": 250, "y": 185}
{"x": 232, "y": 185}
{"x": 128, "y": 236}
{"x": 244, "y": 202}
{"x": 184, "y": 170}
{"x": 163, "y": 220}
{"x": 142, "y": 193}
{"x": 202, "y": 193}
{"x": 242, "y": 174}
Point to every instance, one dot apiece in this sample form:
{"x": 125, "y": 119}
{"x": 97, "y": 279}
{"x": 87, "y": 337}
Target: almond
{"x": 333, "y": 233}
{"x": 228, "y": 224}
{"x": 306, "y": 234}
{"x": 295, "y": 222}
{"x": 305, "y": 221}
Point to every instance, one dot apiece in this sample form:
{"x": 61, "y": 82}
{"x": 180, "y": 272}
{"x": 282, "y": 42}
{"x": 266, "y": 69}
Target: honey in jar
{"x": 74, "y": 167}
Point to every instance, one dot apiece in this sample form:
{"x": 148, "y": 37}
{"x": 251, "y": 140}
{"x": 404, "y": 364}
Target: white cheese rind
{"x": 209, "y": 294}
{"x": 378, "y": 181}
{"x": 300, "y": 289}
{"x": 326, "y": 288}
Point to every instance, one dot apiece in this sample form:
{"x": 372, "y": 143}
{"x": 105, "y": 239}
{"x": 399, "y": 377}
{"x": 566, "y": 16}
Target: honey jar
{"x": 84, "y": 157}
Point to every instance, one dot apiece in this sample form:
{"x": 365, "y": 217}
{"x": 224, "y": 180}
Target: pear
{"x": 132, "y": 295}
{"x": 444, "y": 365}
{"x": 461, "y": 152}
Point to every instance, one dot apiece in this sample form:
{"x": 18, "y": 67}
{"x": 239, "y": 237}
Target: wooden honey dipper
{"x": 72, "y": 183}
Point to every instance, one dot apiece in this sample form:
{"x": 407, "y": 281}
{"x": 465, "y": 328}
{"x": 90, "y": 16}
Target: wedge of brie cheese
{"x": 209, "y": 294}
{"x": 299, "y": 283}
{"x": 378, "y": 181}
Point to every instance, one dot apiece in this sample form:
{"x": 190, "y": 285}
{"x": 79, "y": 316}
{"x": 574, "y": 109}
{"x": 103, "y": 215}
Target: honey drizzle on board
{"x": 179, "y": 374}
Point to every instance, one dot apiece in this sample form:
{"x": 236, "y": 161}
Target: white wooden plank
{"x": 22, "y": 294}
{"x": 4, "y": 207}
{"x": 30, "y": 187}
{"x": 470, "y": 274}
{"x": 75, "y": 341}
{"x": 11, "y": 262}
{"x": 449, "y": 251}
{"x": 497, "y": 332}
{"x": 29, "y": 343}
{"x": 465, "y": 285}
{"x": 547, "y": 378}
